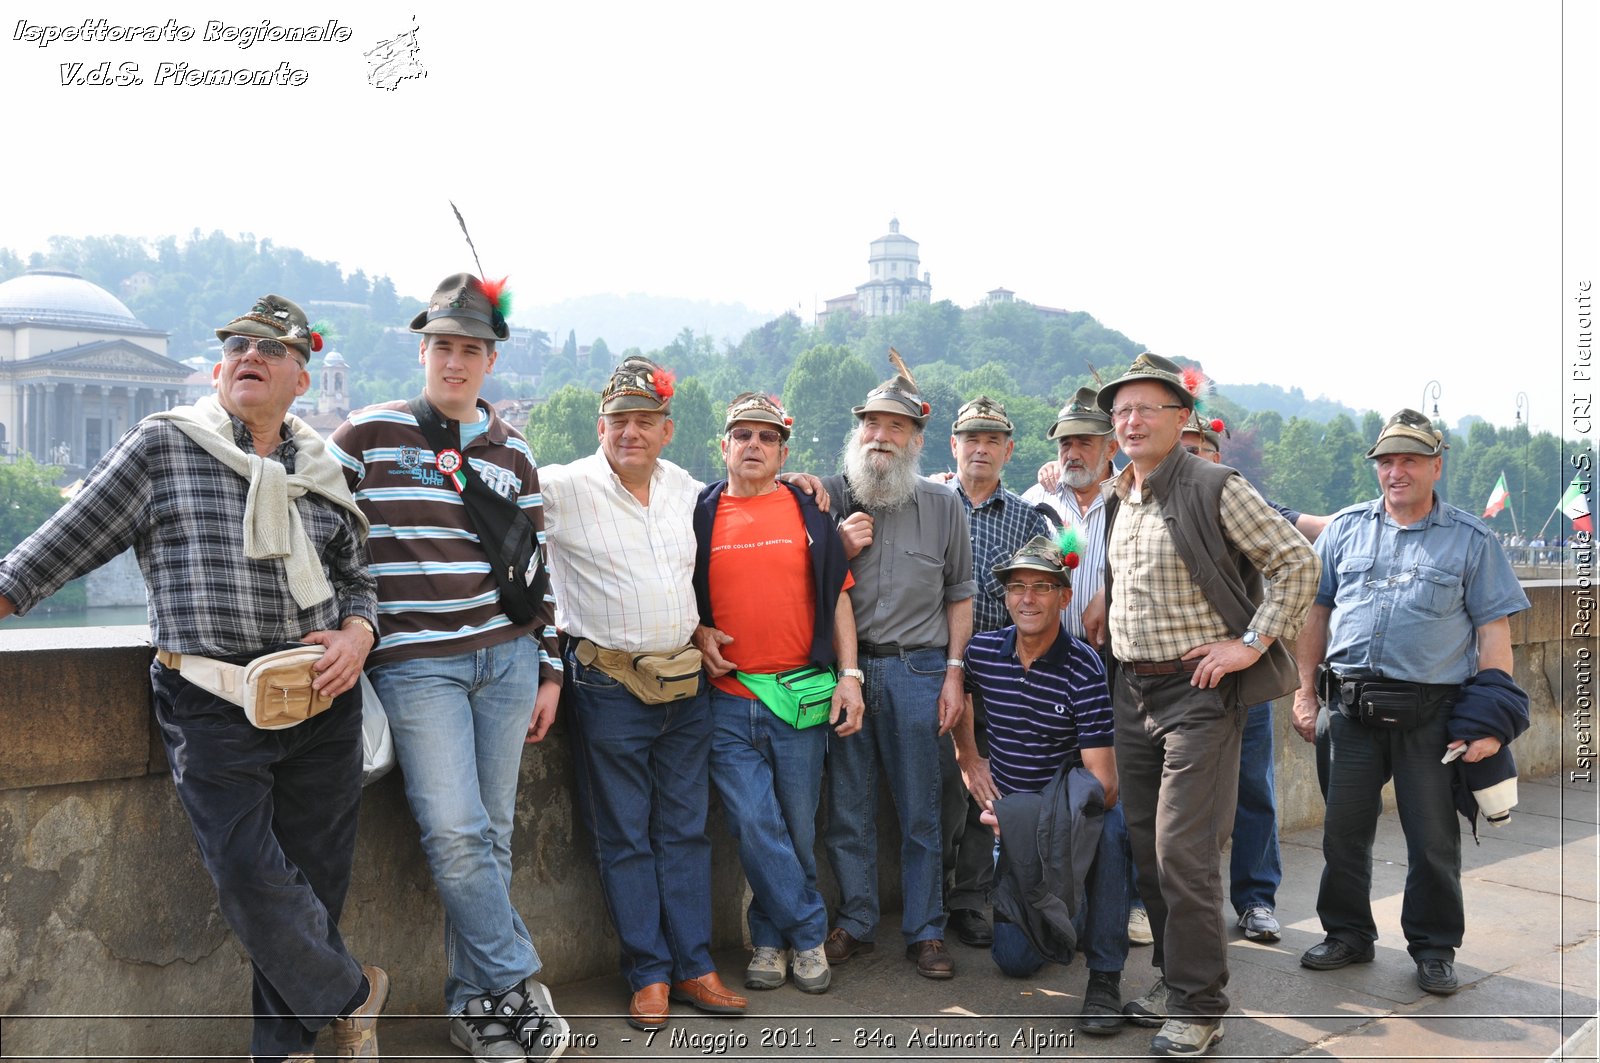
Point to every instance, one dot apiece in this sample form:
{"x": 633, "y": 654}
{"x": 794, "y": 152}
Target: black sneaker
{"x": 1102, "y": 1003}
{"x": 1437, "y": 977}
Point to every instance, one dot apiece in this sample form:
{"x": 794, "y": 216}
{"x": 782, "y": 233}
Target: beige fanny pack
{"x": 653, "y": 678}
{"x": 274, "y": 690}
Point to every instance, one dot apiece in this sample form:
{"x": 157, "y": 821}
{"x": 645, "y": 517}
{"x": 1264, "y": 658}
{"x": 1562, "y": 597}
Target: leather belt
{"x": 1148, "y": 668}
{"x": 886, "y": 649}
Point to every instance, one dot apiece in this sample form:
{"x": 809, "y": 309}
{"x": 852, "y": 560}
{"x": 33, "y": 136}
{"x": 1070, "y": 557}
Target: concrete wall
{"x": 104, "y": 906}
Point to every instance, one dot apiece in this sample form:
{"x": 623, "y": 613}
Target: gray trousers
{"x": 1178, "y": 767}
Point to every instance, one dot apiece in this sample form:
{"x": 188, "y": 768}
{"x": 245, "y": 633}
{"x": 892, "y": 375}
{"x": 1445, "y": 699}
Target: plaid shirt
{"x": 999, "y": 525}
{"x": 182, "y": 511}
{"x": 1158, "y": 613}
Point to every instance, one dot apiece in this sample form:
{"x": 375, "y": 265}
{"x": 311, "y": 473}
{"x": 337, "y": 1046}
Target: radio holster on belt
{"x": 1375, "y": 701}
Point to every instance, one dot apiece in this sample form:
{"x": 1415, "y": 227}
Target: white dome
{"x": 55, "y": 297}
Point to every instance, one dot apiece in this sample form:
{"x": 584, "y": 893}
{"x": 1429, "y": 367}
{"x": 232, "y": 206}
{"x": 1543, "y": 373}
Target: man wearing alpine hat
{"x": 462, "y": 682}
{"x": 1203, "y": 578}
{"x": 912, "y": 563}
{"x": 1412, "y": 617}
{"x": 248, "y": 540}
{"x": 621, "y": 528}
{"x": 770, "y": 579}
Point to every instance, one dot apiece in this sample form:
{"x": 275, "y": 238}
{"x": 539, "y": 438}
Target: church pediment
{"x": 112, "y": 359}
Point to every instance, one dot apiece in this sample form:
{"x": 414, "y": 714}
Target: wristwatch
{"x": 955, "y": 662}
{"x": 853, "y": 673}
{"x": 364, "y": 622}
{"x": 1252, "y": 639}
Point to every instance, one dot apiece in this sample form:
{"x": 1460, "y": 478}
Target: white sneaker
{"x": 521, "y": 1024}
{"x": 1180, "y": 1038}
{"x": 811, "y": 971}
{"x": 1151, "y": 1009}
{"x": 1139, "y": 927}
{"x": 767, "y": 969}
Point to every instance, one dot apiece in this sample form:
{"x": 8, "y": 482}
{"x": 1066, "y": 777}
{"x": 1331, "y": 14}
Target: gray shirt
{"x": 920, "y": 560}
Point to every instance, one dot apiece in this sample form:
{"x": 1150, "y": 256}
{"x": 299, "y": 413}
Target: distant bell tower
{"x": 892, "y": 281}
{"x": 333, "y": 397}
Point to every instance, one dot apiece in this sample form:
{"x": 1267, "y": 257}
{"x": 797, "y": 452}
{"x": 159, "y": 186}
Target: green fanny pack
{"x": 801, "y": 697}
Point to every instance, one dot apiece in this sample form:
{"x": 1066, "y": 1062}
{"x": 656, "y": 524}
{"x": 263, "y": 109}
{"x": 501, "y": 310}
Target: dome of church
{"x": 62, "y": 299}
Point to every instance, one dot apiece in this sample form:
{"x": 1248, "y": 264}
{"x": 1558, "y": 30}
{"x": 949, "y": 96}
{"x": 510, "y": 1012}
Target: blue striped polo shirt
{"x": 1039, "y": 716}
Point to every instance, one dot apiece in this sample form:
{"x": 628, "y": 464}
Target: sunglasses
{"x": 237, "y": 346}
{"x": 766, "y": 435}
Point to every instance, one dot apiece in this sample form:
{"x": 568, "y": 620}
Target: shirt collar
{"x": 1058, "y": 652}
{"x": 998, "y": 499}
{"x": 1437, "y": 515}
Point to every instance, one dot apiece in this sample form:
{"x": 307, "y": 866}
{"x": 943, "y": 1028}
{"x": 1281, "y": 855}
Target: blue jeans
{"x": 642, "y": 788}
{"x": 459, "y": 723}
{"x": 1102, "y": 921}
{"x": 901, "y": 731}
{"x": 770, "y": 777}
{"x": 274, "y": 818}
{"x": 1254, "y": 867}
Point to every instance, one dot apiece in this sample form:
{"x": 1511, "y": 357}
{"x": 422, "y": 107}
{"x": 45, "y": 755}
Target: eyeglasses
{"x": 236, "y": 346}
{"x": 1043, "y": 587}
{"x": 1143, "y": 409}
{"x": 766, "y": 435}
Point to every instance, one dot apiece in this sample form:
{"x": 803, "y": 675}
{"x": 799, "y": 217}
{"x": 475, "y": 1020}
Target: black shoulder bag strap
{"x": 506, "y": 533}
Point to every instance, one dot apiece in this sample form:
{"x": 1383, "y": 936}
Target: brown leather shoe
{"x": 709, "y": 994}
{"x": 648, "y": 1010}
{"x": 840, "y": 945}
{"x": 932, "y": 959}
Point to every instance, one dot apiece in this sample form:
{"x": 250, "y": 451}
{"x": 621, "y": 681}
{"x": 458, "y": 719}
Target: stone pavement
{"x": 1528, "y": 972}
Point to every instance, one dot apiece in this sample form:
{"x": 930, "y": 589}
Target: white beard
{"x": 1078, "y": 479}
{"x": 881, "y": 487}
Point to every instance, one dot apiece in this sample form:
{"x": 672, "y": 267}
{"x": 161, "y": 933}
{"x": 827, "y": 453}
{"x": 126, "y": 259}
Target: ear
{"x": 667, "y": 440}
{"x": 216, "y": 373}
{"x": 1011, "y": 445}
{"x": 488, "y": 365}
{"x": 302, "y": 383}
{"x": 422, "y": 351}
{"x": 954, "y": 443}
{"x": 600, "y": 427}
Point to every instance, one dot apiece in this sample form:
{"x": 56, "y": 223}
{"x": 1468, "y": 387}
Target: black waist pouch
{"x": 1397, "y": 706}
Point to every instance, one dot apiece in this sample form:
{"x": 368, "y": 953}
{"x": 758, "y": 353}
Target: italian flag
{"x": 1497, "y": 498}
{"x": 1575, "y": 505}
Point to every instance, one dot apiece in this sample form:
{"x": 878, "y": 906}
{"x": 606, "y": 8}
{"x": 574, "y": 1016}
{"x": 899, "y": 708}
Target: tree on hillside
{"x": 1299, "y": 467}
{"x": 697, "y": 425}
{"x": 562, "y": 428}
{"x": 826, "y": 382}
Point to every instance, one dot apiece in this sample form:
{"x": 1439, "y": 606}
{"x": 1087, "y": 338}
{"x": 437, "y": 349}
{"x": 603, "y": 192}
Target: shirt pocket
{"x": 1438, "y": 593}
{"x": 1355, "y": 580}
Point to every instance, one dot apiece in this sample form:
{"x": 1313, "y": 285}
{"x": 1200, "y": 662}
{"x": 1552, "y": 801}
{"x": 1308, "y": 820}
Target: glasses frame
{"x": 1146, "y": 410}
{"x": 238, "y": 345}
{"x": 769, "y": 437}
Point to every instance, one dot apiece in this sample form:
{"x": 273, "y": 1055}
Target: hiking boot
{"x": 1102, "y": 1003}
{"x": 1139, "y": 927}
{"x": 1259, "y": 924}
{"x": 811, "y": 971}
{"x": 1149, "y": 1010}
{"x": 356, "y": 1037}
{"x": 767, "y": 969}
{"x": 1181, "y": 1038}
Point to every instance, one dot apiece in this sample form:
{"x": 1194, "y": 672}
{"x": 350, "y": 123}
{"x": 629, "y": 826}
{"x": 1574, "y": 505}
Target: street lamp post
{"x": 1431, "y": 388}
{"x": 1525, "y": 420}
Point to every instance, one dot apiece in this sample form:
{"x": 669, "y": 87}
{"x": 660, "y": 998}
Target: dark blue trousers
{"x": 274, "y": 816}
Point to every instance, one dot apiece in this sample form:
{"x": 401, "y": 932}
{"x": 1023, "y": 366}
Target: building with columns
{"x": 77, "y": 369}
{"x": 892, "y": 281}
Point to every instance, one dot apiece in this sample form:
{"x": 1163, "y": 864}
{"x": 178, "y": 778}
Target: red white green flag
{"x": 1498, "y": 498}
{"x": 1575, "y": 505}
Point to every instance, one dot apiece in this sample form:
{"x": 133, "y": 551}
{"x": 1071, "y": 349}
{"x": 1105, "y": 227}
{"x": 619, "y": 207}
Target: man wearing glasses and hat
{"x": 462, "y": 682}
{"x": 1203, "y": 578}
{"x": 770, "y": 655}
{"x": 1411, "y": 618}
{"x": 248, "y": 540}
{"x": 912, "y": 562}
{"x": 1051, "y": 731}
{"x": 999, "y": 522}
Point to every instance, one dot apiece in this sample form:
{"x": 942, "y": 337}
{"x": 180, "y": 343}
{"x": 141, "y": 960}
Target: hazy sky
{"x": 1354, "y": 198}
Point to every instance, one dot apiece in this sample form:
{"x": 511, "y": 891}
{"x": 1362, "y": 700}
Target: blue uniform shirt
{"x": 1407, "y": 600}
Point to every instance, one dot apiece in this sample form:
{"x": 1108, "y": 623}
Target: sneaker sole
{"x": 470, "y": 1049}
{"x": 1267, "y": 936}
{"x": 763, "y": 981}
{"x": 1216, "y": 1039}
{"x": 815, "y": 986}
{"x": 1145, "y": 1019}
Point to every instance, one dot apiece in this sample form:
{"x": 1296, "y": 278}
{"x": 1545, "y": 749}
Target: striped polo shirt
{"x": 436, "y": 595}
{"x": 1039, "y": 716}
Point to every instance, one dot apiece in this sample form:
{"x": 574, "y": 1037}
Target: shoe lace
{"x": 765, "y": 956}
{"x": 511, "y": 1017}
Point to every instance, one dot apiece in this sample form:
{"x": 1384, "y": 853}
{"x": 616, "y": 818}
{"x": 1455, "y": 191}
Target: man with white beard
{"x": 912, "y": 562}
{"x": 1086, "y": 443}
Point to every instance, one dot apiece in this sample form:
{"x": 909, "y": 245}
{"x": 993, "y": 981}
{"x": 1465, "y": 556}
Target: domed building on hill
{"x": 77, "y": 369}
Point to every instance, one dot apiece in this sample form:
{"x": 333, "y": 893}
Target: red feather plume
{"x": 663, "y": 379}
{"x": 1195, "y": 382}
{"x": 1217, "y": 425}
{"x": 498, "y": 296}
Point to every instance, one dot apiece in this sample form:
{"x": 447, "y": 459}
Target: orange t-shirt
{"x": 762, "y": 589}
